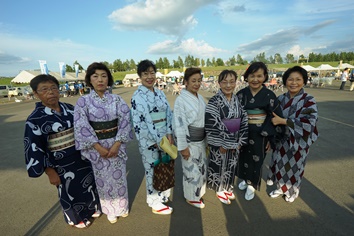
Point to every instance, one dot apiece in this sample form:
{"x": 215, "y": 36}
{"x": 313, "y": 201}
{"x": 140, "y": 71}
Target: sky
{"x": 89, "y": 31}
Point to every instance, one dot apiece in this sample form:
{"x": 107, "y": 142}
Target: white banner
{"x": 62, "y": 69}
{"x": 77, "y": 70}
{"x": 44, "y": 67}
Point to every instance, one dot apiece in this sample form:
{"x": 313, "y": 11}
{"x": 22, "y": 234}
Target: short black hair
{"x": 298, "y": 69}
{"x": 254, "y": 67}
{"x": 91, "y": 69}
{"x": 191, "y": 71}
{"x": 225, "y": 73}
{"x": 144, "y": 66}
{"x": 41, "y": 79}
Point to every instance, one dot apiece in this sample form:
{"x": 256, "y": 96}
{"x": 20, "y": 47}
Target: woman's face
{"x": 294, "y": 83}
{"x": 193, "y": 83}
{"x": 256, "y": 80}
{"x": 48, "y": 93}
{"x": 148, "y": 78}
{"x": 228, "y": 85}
{"x": 99, "y": 81}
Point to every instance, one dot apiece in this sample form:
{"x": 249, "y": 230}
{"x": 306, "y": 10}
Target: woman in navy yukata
{"x": 50, "y": 148}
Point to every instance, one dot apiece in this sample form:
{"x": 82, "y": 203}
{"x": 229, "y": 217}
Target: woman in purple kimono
{"x": 300, "y": 118}
{"x": 102, "y": 129}
{"x": 50, "y": 148}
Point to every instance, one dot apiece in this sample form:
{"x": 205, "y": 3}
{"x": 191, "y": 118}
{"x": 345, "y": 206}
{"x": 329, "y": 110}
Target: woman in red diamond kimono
{"x": 300, "y": 118}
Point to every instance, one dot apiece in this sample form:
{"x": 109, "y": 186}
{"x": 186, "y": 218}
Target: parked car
{"x": 118, "y": 82}
{"x": 16, "y": 91}
{"x": 279, "y": 74}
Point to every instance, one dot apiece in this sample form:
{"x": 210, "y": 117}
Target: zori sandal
{"x": 198, "y": 204}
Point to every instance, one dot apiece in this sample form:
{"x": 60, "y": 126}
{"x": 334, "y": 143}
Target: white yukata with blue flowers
{"x": 145, "y": 105}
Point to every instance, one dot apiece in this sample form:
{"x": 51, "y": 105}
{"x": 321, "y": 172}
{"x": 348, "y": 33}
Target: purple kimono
{"x": 110, "y": 173}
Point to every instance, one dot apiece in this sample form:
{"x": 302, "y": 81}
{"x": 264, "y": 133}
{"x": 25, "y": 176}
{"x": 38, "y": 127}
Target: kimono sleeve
{"x": 124, "y": 133}
{"x": 212, "y": 118}
{"x": 35, "y": 147}
{"x": 180, "y": 123}
{"x": 85, "y": 136}
{"x": 168, "y": 118}
{"x": 303, "y": 127}
{"x": 268, "y": 129}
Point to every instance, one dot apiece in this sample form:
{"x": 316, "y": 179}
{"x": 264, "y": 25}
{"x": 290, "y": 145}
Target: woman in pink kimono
{"x": 102, "y": 129}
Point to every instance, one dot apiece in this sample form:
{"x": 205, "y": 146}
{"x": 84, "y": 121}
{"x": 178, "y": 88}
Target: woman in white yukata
{"x": 102, "y": 129}
{"x": 152, "y": 120}
{"x": 188, "y": 120}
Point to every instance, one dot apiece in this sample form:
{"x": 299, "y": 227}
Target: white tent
{"x": 23, "y": 77}
{"x": 326, "y": 67}
{"x": 174, "y": 73}
{"x": 345, "y": 65}
{"x": 309, "y": 68}
{"x": 159, "y": 75}
{"x": 26, "y": 76}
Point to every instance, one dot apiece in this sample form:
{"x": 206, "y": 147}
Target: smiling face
{"x": 48, "y": 93}
{"x": 256, "y": 80}
{"x": 148, "y": 78}
{"x": 99, "y": 81}
{"x": 294, "y": 83}
{"x": 228, "y": 85}
{"x": 193, "y": 83}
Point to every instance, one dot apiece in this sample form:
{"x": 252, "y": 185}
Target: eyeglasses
{"x": 46, "y": 90}
{"x": 225, "y": 83}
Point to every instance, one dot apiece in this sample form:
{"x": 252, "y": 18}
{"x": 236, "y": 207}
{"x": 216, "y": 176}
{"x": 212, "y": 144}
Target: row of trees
{"x": 164, "y": 63}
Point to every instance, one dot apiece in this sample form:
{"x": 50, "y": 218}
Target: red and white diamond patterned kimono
{"x": 290, "y": 154}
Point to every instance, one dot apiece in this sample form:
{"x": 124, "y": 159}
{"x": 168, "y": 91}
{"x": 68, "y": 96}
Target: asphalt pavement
{"x": 325, "y": 206}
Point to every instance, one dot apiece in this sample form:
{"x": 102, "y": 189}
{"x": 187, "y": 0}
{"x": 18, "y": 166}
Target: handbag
{"x": 170, "y": 149}
{"x": 164, "y": 173}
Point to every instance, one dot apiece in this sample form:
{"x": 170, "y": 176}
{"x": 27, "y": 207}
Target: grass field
{"x": 208, "y": 71}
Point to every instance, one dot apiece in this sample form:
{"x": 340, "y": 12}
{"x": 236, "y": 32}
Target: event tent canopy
{"x": 174, "y": 73}
{"x": 309, "y": 68}
{"x": 345, "y": 65}
{"x": 326, "y": 67}
{"x": 26, "y": 76}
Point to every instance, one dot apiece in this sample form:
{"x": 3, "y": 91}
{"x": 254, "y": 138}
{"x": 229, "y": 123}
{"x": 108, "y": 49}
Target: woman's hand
{"x": 185, "y": 153}
{"x": 268, "y": 147}
{"x": 222, "y": 150}
{"x": 276, "y": 120}
{"x": 113, "y": 151}
{"x": 170, "y": 139}
{"x": 101, "y": 150}
{"x": 53, "y": 176}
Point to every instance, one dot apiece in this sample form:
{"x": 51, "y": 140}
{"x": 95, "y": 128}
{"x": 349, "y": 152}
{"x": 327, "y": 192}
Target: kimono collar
{"x": 222, "y": 95}
{"x": 145, "y": 90}
{"x": 97, "y": 97}
{"x": 189, "y": 94}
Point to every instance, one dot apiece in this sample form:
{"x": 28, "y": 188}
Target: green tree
{"x": 278, "y": 59}
{"x": 166, "y": 63}
{"x": 289, "y": 58}
{"x": 202, "y": 62}
{"x": 220, "y": 62}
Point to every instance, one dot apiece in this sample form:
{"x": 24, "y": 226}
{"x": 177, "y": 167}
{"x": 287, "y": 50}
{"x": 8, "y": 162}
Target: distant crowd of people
{"x": 83, "y": 148}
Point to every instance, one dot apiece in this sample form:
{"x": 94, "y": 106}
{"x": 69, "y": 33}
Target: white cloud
{"x": 168, "y": 17}
{"x": 185, "y": 47}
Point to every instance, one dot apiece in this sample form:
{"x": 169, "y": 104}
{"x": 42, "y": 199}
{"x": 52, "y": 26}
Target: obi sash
{"x": 159, "y": 119}
{"x": 232, "y": 125}
{"x": 196, "y": 134}
{"x": 256, "y": 116}
{"x": 61, "y": 140}
{"x": 105, "y": 129}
